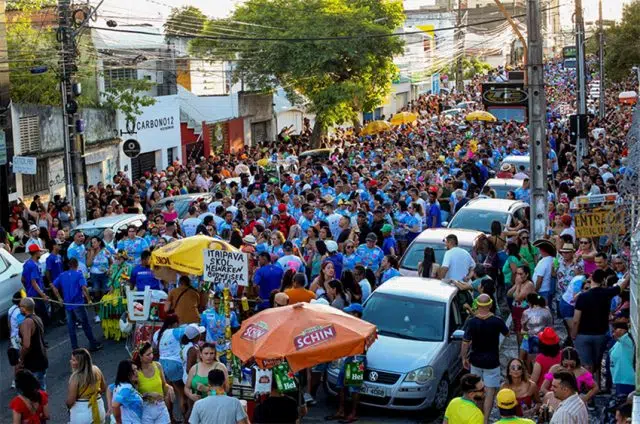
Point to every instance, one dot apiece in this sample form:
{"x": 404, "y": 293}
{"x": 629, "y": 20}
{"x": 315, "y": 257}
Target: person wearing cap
{"x": 75, "y": 291}
{"x": 285, "y": 262}
{"x": 482, "y": 340}
{"x": 34, "y": 231}
{"x": 466, "y": 408}
{"x": 507, "y": 405}
{"x": 370, "y": 255}
{"x": 33, "y": 282}
{"x": 286, "y": 220}
{"x": 567, "y": 267}
{"x": 335, "y": 257}
{"x": 389, "y": 243}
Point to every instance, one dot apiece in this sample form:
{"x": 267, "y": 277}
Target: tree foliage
{"x": 185, "y": 20}
{"x": 471, "y": 66}
{"x": 125, "y": 95}
{"x": 339, "y": 77}
{"x": 622, "y": 50}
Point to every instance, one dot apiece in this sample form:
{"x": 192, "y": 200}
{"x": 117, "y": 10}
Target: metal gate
{"x": 258, "y": 132}
{"x": 144, "y": 162}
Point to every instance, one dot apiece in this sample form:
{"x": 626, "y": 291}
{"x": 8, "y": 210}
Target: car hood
{"x": 400, "y": 355}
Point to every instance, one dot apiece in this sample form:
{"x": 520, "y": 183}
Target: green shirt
{"x": 506, "y": 269}
{"x": 528, "y": 255}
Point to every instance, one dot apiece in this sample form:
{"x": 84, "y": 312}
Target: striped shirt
{"x": 572, "y": 410}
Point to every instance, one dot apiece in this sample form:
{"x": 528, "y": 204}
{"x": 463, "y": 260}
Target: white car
{"x": 10, "y": 279}
{"x": 416, "y": 357}
{"x": 517, "y": 161}
{"x": 433, "y": 238}
{"x": 503, "y": 185}
{"x": 96, "y": 227}
{"x": 478, "y": 214}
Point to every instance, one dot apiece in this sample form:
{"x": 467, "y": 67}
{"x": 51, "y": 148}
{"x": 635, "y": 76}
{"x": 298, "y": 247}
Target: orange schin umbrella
{"x": 304, "y": 334}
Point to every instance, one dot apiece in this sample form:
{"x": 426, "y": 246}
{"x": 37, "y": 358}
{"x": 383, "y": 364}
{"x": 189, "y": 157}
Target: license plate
{"x": 372, "y": 391}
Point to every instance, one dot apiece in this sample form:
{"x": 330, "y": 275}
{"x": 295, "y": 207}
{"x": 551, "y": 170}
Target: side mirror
{"x": 445, "y": 224}
{"x": 457, "y": 336}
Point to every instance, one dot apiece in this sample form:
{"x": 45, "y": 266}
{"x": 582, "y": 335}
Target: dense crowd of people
{"x": 330, "y": 229}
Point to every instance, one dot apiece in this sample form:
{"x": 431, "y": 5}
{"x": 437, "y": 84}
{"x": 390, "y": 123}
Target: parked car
{"x": 96, "y": 227}
{"x": 469, "y": 106}
{"x": 516, "y": 161}
{"x": 317, "y": 155}
{"x": 183, "y": 201}
{"x": 503, "y": 185}
{"x": 478, "y": 214}
{"x": 417, "y": 354}
{"x": 10, "y": 279}
{"x": 453, "y": 112}
{"x": 433, "y": 238}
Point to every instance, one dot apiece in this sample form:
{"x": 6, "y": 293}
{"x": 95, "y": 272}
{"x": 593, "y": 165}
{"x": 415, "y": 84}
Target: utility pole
{"x": 460, "y": 49}
{"x": 5, "y": 119}
{"x": 74, "y": 143}
{"x": 601, "y": 106}
{"x": 537, "y": 128}
{"x": 581, "y": 144}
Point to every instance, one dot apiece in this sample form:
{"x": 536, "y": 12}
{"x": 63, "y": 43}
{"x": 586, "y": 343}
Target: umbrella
{"x": 185, "y": 255}
{"x": 303, "y": 334}
{"x": 404, "y": 118}
{"x": 628, "y": 97}
{"x": 375, "y": 127}
{"x": 480, "y": 115}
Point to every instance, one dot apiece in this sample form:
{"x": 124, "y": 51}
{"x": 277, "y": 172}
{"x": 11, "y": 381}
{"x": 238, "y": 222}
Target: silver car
{"x": 417, "y": 354}
{"x": 503, "y": 185}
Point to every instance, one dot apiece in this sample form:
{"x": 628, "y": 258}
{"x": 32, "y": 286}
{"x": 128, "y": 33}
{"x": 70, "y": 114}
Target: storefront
{"x": 157, "y": 130}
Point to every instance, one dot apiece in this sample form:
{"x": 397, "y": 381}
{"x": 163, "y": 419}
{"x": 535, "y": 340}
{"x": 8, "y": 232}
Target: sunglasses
{"x": 515, "y": 367}
{"x": 348, "y": 247}
{"x": 584, "y": 242}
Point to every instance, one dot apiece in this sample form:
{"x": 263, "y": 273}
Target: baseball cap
{"x": 372, "y": 236}
{"x": 332, "y": 246}
{"x": 506, "y": 399}
{"x": 193, "y": 330}
{"x": 354, "y": 307}
{"x": 287, "y": 245}
{"x": 34, "y": 248}
{"x": 282, "y": 207}
{"x": 386, "y": 228}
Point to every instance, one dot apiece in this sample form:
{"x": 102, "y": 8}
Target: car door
{"x": 456, "y": 322}
{"x": 10, "y": 279}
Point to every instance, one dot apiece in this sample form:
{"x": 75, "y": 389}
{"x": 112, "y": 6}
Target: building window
{"x": 39, "y": 182}
{"x": 170, "y": 156}
{"x": 111, "y": 75}
{"x": 29, "y": 134}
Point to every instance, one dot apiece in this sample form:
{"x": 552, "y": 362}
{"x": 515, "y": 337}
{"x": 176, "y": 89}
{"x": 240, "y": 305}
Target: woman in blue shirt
{"x": 413, "y": 223}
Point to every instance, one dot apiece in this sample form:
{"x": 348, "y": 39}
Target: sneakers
{"x": 96, "y": 348}
{"x": 97, "y": 319}
{"x": 13, "y": 384}
{"x": 309, "y": 400}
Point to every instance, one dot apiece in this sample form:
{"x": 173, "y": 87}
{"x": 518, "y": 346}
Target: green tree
{"x": 125, "y": 95}
{"x": 621, "y": 48}
{"x": 471, "y": 66}
{"x": 185, "y": 20}
{"x": 338, "y": 77}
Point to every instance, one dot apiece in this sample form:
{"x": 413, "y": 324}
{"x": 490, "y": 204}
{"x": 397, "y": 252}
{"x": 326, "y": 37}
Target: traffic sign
{"x": 131, "y": 148}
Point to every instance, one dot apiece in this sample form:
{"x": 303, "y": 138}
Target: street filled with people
{"x": 338, "y": 230}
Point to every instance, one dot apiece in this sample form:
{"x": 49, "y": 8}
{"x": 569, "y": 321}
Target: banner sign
{"x": 221, "y": 266}
{"x": 599, "y": 222}
{"x": 24, "y": 165}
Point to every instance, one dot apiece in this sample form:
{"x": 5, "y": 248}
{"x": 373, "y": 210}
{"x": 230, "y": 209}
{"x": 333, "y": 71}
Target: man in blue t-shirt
{"x": 33, "y": 283}
{"x": 214, "y": 323}
{"x": 142, "y": 276}
{"x": 54, "y": 265}
{"x": 434, "y": 217}
{"x": 268, "y": 278}
{"x": 75, "y": 292}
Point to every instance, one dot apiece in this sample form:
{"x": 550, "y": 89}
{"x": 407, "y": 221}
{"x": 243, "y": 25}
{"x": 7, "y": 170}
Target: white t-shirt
{"x": 190, "y": 225}
{"x": 169, "y": 346}
{"x": 458, "y": 262}
{"x": 15, "y": 319}
{"x": 217, "y": 409}
{"x": 543, "y": 269}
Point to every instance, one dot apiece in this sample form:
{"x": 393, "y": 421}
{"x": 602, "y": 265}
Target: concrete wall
{"x": 255, "y": 108}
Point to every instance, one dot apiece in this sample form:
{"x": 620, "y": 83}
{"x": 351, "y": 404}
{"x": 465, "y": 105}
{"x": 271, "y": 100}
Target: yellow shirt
{"x": 463, "y": 411}
{"x": 151, "y": 384}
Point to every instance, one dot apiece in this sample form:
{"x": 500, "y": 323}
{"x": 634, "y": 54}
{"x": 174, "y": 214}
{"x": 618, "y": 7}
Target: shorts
{"x": 155, "y": 413}
{"x": 99, "y": 282}
{"x": 491, "y": 377}
{"x": 320, "y": 368}
{"x": 531, "y": 345}
{"x": 172, "y": 369}
{"x": 81, "y": 413}
{"x": 565, "y": 309}
{"x": 590, "y": 348}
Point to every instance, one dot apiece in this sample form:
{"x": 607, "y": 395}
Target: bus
{"x": 569, "y": 54}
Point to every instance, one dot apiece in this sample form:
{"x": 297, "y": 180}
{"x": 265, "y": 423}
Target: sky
{"x": 611, "y": 9}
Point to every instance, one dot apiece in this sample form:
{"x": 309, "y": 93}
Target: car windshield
{"x": 479, "y": 220}
{"x": 502, "y": 190}
{"x": 415, "y": 253}
{"x": 91, "y": 232}
{"x": 182, "y": 206}
{"x": 406, "y": 318}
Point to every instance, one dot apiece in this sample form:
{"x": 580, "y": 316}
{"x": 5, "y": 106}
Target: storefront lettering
{"x": 163, "y": 124}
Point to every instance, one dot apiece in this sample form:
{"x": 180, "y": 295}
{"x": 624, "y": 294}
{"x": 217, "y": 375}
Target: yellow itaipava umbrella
{"x": 480, "y": 115}
{"x": 185, "y": 256}
{"x": 404, "y": 118}
{"x": 375, "y": 127}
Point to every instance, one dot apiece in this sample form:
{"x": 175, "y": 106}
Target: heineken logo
{"x": 254, "y": 331}
{"x": 314, "y": 336}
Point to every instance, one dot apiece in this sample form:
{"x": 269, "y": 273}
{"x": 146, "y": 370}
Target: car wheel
{"x": 442, "y": 394}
